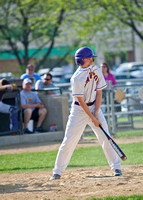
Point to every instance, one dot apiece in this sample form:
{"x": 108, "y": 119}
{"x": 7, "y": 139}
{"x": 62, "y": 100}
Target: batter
{"x": 87, "y": 85}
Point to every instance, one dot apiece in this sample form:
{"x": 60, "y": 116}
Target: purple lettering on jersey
{"x": 91, "y": 75}
{"x": 87, "y": 80}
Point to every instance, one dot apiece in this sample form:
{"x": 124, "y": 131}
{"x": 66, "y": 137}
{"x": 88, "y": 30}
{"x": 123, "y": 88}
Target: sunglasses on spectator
{"x": 47, "y": 79}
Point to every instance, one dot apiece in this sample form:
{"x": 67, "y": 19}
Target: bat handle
{"x": 102, "y": 129}
{"x": 100, "y": 126}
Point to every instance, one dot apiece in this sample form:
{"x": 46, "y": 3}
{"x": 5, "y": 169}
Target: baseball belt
{"x": 88, "y": 104}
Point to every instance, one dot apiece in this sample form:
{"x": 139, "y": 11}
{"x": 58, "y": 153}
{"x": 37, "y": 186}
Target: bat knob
{"x": 124, "y": 158}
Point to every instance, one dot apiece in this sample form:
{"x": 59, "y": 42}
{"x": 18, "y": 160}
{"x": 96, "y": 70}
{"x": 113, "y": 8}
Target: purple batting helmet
{"x": 83, "y": 52}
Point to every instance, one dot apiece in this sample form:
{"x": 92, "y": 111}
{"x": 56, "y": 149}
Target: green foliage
{"x": 45, "y": 22}
{"x": 32, "y": 22}
{"x": 82, "y": 157}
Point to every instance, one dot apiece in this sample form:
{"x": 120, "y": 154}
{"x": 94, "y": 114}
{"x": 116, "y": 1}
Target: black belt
{"x": 88, "y": 104}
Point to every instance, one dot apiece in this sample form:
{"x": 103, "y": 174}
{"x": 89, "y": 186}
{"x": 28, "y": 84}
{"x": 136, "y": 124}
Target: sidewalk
{"x": 31, "y": 138}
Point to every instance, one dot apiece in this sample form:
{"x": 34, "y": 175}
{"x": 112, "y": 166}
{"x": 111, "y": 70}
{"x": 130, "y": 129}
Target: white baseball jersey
{"x": 86, "y": 81}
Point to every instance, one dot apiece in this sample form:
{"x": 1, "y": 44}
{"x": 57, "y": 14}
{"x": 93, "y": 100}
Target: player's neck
{"x": 84, "y": 66}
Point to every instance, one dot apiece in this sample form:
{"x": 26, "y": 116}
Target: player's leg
{"x": 112, "y": 157}
{"x": 74, "y": 130}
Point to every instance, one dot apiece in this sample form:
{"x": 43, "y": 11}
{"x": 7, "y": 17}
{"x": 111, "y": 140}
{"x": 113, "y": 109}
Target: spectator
{"x": 6, "y": 108}
{"x": 31, "y": 74}
{"x": 46, "y": 83}
{"x": 32, "y": 107}
{"x": 107, "y": 74}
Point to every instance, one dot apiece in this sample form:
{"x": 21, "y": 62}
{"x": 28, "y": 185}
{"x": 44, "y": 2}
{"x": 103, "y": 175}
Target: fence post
{"x": 112, "y": 111}
{"x": 108, "y": 108}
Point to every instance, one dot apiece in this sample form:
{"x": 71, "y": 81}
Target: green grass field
{"x": 82, "y": 157}
{"x": 132, "y": 133}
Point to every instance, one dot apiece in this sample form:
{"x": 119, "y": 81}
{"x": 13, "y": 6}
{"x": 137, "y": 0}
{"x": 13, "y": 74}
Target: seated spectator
{"x": 32, "y": 107}
{"x": 31, "y": 74}
{"x": 107, "y": 74}
{"x": 46, "y": 83}
{"x": 6, "y": 108}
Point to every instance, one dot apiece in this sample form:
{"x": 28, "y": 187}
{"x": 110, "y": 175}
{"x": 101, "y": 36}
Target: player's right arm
{"x": 87, "y": 111}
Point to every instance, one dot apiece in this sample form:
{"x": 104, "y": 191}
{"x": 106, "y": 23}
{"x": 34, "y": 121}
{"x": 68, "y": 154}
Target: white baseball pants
{"x": 76, "y": 124}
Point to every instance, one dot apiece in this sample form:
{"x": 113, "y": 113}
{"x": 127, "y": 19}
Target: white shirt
{"x": 86, "y": 81}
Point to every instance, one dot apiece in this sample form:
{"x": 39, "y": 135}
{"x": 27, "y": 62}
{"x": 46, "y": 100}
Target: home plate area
{"x": 78, "y": 183}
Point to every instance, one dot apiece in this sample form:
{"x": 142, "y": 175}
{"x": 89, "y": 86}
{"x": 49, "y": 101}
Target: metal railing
{"x": 120, "y": 116}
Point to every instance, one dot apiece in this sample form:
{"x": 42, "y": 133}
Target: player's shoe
{"x": 117, "y": 172}
{"x": 55, "y": 176}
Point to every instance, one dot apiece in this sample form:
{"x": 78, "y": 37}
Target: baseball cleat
{"x": 117, "y": 172}
{"x": 55, "y": 176}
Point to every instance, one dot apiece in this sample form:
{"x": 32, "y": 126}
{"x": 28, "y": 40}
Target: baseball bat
{"x": 114, "y": 145}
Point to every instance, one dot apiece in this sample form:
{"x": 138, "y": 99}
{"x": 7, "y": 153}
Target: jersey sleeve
{"x": 78, "y": 87}
{"x": 101, "y": 82}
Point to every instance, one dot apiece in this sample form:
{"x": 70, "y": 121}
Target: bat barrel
{"x": 114, "y": 145}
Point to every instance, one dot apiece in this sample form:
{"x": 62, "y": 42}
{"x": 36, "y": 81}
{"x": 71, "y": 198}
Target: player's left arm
{"x": 97, "y": 102}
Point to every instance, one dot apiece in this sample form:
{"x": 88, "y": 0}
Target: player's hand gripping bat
{"x": 114, "y": 145}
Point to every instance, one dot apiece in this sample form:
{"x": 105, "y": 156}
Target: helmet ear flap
{"x": 79, "y": 62}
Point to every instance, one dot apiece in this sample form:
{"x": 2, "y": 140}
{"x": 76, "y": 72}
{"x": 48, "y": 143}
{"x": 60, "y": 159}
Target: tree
{"x": 30, "y": 22}
{"x": 112, "y": 24}
{"x": 129, "y": 13}
{"x": 43, "y": 23}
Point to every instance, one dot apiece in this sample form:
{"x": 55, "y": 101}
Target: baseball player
{"x": 87, "y": 85}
